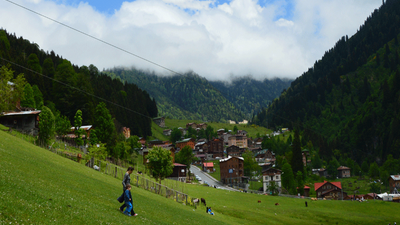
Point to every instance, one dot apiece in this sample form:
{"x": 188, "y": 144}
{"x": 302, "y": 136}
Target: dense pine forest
{"x": 190, "y": 96}
{"x": 348, "y": 103}
{"x": 67, "y": 88}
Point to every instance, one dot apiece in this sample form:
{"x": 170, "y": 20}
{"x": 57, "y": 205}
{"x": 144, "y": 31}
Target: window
{"x": 277, "y": 177}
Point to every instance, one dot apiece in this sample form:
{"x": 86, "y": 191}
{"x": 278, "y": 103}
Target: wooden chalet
{"x": 160, "y": 121}
{"x": 200, "y": 148}
{"x": 185, "y": 142}
{"x": 234, "y": 151}
{"x": 179, "y": 172}
{"x": 394, "y": 184}
{"x": 329, "y": 190}
{"x": 320, "y": 172}
{"x": 343, "y": 171}
{"x": 167, "y": 132}
{"x": 231, "y": 169}
{"x": 24, "y": 121}
{"x": 216, "y": 148}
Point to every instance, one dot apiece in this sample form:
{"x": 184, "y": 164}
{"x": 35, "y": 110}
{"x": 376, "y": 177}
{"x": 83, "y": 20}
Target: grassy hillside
{"x": 252, "y": 130}
{"x": 39, "y": 187}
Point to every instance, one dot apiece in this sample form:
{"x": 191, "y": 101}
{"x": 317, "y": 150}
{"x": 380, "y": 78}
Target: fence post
{"x": 176, "y": 197}
{"x": 100, "y": 165}
{"x": 166, "y": 192}
{"x": 186, "y": 199}
{"x": 137, "y": 181}
{"x": 116, "y": 170}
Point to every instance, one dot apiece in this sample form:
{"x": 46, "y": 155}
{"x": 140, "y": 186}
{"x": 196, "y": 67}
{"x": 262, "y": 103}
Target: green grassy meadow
{"x": 40, "y": 187}
{"x": 251, "y": 129}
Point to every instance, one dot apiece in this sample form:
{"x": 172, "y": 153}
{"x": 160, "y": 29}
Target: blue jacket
{"x": 127, "y": 196}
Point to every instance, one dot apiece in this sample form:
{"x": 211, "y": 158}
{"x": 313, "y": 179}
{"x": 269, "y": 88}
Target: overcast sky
{"x": 215, "y": 39}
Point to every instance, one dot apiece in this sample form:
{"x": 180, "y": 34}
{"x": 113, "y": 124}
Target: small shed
{"x": 306, "y": 191}
{"x": 208, "y": 166}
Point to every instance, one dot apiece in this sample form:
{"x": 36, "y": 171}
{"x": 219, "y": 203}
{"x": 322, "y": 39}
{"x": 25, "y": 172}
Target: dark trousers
{"x": 124, "y": 205}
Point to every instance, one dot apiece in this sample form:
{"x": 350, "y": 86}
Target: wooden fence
{"x": 107, "y": 167}
{"x": 139, "y": 181}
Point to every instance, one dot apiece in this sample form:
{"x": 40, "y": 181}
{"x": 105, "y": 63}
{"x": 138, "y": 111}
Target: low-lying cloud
{"x": 237, "y": 38}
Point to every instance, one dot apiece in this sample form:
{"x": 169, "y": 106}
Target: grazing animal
{"x": 196, "y": 200}
{"x": 139, "y": 172}
{"x": 96, "y": 167}
{"x": 259, "y": 201}
{"x": 276, "y": 203}
{"x": 203, "y": 201}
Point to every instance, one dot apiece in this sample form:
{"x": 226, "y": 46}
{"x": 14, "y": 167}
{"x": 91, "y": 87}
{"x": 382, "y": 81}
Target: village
{"x": 224, "y": 155}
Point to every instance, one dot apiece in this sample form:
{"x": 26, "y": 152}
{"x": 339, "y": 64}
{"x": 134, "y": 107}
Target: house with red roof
{"x": 306, "y": 191}
{"x": 329, "y": 190}
{"x": 208, "y": 166}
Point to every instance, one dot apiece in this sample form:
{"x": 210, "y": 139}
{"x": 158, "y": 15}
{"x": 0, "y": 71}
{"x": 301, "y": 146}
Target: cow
{"x": 276, "y": 203}
{"x": 139, "y": 172}
{"x": 196, "y": 200}
{"x": 259, "y": 201}
{"x": 203, "y": 201}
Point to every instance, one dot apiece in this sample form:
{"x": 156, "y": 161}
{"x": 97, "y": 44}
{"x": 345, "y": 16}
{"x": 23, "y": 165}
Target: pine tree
{"x": 297, "y": 159}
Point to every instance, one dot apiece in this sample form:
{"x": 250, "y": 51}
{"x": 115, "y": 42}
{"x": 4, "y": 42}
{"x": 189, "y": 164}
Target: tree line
{"x": 47, "y": 80}
{"x": 347, "y": 102}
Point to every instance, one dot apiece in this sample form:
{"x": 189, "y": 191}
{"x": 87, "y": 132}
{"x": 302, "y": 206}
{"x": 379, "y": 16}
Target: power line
{"x": 98, "y": 39}
{"x": 75, "y": 88}
{"x": 102, "y": 41}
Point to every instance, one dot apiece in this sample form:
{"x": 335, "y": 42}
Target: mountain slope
{"x": 182, "y": 97}
{"x": 250, "y": 95}
{"x": 349, "y": 99}
{"x": 190, "y": 96}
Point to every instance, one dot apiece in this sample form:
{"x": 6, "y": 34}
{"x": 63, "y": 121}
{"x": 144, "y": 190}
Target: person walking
{"x": 126, "y": 181}
{"x": 128, "y": 202}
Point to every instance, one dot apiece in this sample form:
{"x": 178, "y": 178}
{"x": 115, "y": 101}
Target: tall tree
{"x": 300, "y": 183}
{"x": 332, "y": 167}
{"x": 160, "y": 163}
{"x": 29, "y": 100}
{"x": 11, "y": 90}
{"x": 63, "y": 125}
{"x": 288, "y": 178}
{"x": 176, "y": 135}
{"x": 38, "y": 96}
{"x": 373, "y": 170}
{"x": 185, "y": 156}
{"x": 78, "y": 131}
{"x": 104, "y": 125}
{"x": 134, "y": 144}
{"x": 250, "y": 166}
{"x": 297, "y": 158}
{"x": 46, "y": 126}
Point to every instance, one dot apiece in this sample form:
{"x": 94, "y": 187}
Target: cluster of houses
{"x": 227, "y": 148}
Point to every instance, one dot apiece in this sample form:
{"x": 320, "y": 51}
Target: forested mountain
{"x": 250, "y": 95}
{"x": 348, "y": 103}
{"x": 67, "y": 87}
{"x": 190, "y": 96}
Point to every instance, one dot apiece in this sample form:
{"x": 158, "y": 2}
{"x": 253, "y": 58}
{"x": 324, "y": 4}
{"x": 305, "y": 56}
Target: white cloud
{"x": 238, "y": 38}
